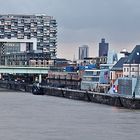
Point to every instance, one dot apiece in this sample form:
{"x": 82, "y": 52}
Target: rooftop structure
{"x": 134, "y": 57}
{"x": 119, "y": 64}
{"x": 131, "y": 68}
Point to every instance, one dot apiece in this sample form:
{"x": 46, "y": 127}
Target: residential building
{"x": 117, "y": 70}
{"x": 132, "y": 66}
{"x": 90, "y": 79}
{"x": 129, "y": 84}
{"x": 27, "y": 33}
{"x": 83, "y": 52}
{"x": 36, "y": 58}
{"x": 103, "y": 48}
{"x": 95, "y": 80}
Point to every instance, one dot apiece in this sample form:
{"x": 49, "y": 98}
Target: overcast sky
{"x": 86, "y": 22}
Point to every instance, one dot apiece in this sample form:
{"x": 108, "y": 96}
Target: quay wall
{"x": 102, "y": 98}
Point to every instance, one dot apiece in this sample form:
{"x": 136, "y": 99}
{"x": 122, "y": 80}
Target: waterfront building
{"x": 27, "y": 33}
{"x": 129, "y": 84}
{"x": 70, "y": 80}
{"x": 83, "y": 52}
{"x": 90, "y": 79}
{"x": 117, "y": 70}
{"x": 36, "y": 58}
{"x": 103, "y": 48}
{"x": 132, "y": 66}
{"x": 95, "y": 80}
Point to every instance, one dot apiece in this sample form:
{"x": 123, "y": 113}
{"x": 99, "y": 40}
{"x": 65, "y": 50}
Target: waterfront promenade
{"x": 28, "y": 117}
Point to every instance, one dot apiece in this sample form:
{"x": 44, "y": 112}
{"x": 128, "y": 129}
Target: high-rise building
{"x": 103, "y": 48}
{"x": 83, "y": 52}
{"x": 28, "y": 33}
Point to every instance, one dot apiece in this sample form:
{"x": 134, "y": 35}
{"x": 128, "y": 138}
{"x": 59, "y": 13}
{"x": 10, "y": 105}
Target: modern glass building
{"x": 103, "y": 48}
{"x": 83, "y": 52}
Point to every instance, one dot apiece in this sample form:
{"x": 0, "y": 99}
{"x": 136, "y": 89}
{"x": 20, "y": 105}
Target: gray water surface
{"x": 24, "y": 116}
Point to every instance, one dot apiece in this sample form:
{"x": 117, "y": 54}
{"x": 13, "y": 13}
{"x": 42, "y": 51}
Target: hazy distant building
{"x": 83, "y": 52}
{"x": 103, "y": 48}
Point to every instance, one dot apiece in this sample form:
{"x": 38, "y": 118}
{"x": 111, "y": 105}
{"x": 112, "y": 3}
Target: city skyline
{"x": 85, "y": 22}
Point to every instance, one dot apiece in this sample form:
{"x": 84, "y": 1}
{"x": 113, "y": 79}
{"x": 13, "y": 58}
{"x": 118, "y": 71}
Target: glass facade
{"x": 103, "y": 48}
{"x": 83, "y": 52}
{"x": 12, "y": 47}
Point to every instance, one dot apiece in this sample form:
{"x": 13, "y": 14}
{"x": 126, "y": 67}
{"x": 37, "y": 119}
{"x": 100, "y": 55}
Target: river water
{"x": 24, "y": 116}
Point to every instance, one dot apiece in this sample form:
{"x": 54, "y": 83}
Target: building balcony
{"x": 7, "y": 23}
{"x": 21, "y": 24}
{"x": 1, "y": 34}
{"x": 40, "y": 34}
{"x": 1, "y": 23}
{"x": 8, "y": 31}
{"x": 40, "y": 25}
{"x": 27, "y": 31}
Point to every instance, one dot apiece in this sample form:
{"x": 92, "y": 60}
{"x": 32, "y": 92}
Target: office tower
{"x": 83, "y": 52}
{"x": 28, "y": 33}
{"x": 103, "y": 48}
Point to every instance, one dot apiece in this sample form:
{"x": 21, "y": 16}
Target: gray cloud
{"x": 86, "y": 21}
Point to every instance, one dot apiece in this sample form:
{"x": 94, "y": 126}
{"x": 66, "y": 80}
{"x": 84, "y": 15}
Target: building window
{"x": 132, "y": 69}
{"x": 125, "y": 75}
{"x": 111, "y": 75}
{"x": 127, "y": 69}
{"x": 120, "y": 75}
{"x": 124, "y": 69}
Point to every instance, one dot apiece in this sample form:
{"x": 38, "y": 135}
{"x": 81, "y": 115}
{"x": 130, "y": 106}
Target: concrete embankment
{"x": 102, "y": 98}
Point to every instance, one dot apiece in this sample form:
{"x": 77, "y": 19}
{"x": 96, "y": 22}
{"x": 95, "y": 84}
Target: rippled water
{"x": 24, "y": 116}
